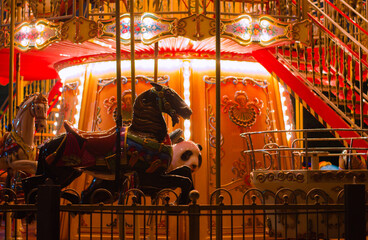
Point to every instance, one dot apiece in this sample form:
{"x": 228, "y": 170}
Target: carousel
{"x": 204, "y": 95}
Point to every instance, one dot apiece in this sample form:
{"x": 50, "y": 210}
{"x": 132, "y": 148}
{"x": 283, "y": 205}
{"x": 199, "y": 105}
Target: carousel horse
{"x": 63, "y": 158}
{"x": 17, "y": 150}
{"x": 185, "y": 153}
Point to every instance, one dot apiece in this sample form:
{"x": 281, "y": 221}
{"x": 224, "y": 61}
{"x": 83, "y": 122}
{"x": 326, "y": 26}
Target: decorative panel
{"x": 148, "y": 28}
{"x": 264, "y": 30}
{"x": 36, "y": 35}
{"x": 197, "y": 27}
{"x": 78, "y": 30}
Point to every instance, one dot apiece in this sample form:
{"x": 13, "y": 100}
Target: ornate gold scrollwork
{"x": 241, "y": 111}
{"x": 301, "y": 32}
{"x": 196, "y": 27}
{"x": 78, "y": 30}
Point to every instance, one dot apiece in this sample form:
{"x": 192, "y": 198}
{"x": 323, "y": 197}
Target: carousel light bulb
{"x": 54, "y": 132}
{"x": 288, "y": 136}
{"x": 186, "y": 85}
{"x": 187, "y": 101}
{"x": 187, "y": 134}
{"x": 57, "y": 115}
{"x": 55, "y": 124}
{"x": 40, "y": 27}
{"x": 58, "y": 106}
{"x": 25, "y": 29}
{"x": 24, "y": 42}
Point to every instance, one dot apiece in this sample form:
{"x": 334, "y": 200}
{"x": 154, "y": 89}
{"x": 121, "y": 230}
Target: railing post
{"x": 48, "y": 212}
{"x": 194, "y": 212}
{"x": 355, "y": 224}
{"x": 304, "y": 9}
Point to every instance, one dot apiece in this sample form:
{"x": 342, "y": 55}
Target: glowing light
{"x": 57, "y": 115}
{"x": 286, "y": 112}
{"x": 186, "y": 85}
{"x": 25, "y": 29}
{"x": 264, "y": 23}
{"x": 229, "y": 66}
{"x": 40, "y": 41}
{"x": 40, "y": 27}
{"x": 100, "y": 43}
{"x": 58, "y": 106}
{"x": 71, "y": 72}
{"x": 79, "y": 98}
{"x": 147, "y": 20}
{"x": 24, "y": 42}
{"x": 55, "y": 124}
{"x": 54, "y": 132}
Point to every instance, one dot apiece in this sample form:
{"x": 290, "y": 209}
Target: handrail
{"x": 354, "y": 11}
{"x": 347, "y": 48}
{"x": 301, "y": 147}
{"x": 336, "y": 25}
{"x": 347, "y": 17}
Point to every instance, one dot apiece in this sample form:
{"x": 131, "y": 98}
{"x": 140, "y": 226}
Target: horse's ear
{"x": 157, "y": 86}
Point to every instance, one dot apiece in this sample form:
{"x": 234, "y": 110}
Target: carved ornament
{"x": 78, "y": 30}
{"x": 197, "y": 27}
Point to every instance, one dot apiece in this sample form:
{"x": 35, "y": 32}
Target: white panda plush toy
{"x": 186, "y": 153}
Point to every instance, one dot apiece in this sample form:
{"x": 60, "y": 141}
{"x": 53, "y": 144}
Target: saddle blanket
{"x": 149, "y": 155}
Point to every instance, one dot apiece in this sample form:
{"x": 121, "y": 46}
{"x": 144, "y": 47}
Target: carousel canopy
{"x": 45, "y": 63}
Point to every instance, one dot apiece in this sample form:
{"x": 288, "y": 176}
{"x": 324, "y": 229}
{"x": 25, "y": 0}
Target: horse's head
{"x": 171, "y": 103}
{"x": 186, "y": 153}
{"x": 39, "y": 111}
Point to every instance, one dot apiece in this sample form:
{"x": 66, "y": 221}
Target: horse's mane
{"x": 147, "y": 117}
{"x": 40, "y": 96}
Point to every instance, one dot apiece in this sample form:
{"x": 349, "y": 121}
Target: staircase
{"x": 330, "y": 74}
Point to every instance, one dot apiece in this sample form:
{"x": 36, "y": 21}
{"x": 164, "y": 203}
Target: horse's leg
{"x": 170, "y": 181}
{"x": 28, "y": 166}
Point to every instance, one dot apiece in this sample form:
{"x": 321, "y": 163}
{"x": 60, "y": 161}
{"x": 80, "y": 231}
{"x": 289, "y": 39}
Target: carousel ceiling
{"x": 44, "y": 64}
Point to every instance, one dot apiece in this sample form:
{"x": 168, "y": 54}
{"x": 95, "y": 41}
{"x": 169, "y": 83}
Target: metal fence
{"x": 284, "y": 214}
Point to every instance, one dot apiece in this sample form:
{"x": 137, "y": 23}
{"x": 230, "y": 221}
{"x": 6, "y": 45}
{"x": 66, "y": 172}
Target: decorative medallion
{"x": 157, "y": 28}
{"x": 241, "y": 111}
{"x": 197, "y": 27}
{"x": 36, "y": 35}
{"x": 78, "y": 30}
{"x": 148, "y": 28}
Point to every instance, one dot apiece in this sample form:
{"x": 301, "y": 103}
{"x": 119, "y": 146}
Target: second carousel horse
{"x": 17, "y": 150}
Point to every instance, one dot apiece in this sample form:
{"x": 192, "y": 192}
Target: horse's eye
{"x": 186, "y": 155}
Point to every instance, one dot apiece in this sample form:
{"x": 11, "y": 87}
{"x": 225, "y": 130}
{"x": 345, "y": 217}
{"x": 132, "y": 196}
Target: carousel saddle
{"x": 97, "y": 143}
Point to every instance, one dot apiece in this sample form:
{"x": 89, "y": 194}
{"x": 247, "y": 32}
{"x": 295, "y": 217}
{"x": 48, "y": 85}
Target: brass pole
{"x": 80, "y": 3}
{"x": 155, "y": 70}
{"x": 218, "y": 115}
{"x": 18, "y": 83}
{"x": 218, "y": 94}
{"x": 11, "y": 62}
{"x": 118, "y": 120}
{"x": 132, "y": 49}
